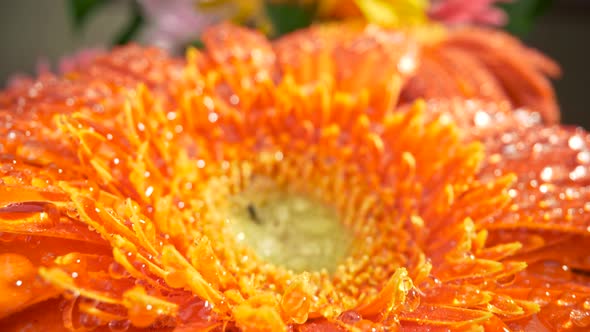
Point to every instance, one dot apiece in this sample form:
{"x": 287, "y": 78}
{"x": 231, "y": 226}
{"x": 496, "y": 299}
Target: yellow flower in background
{"x": 241, "y": 11}
{"x": 386, "y": 13}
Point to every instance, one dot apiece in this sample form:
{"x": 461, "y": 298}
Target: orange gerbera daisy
{"x": 300, "y": 185}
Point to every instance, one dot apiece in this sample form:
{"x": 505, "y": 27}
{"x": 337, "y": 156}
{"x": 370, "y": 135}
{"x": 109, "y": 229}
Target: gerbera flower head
{"x": 344, "y": 177}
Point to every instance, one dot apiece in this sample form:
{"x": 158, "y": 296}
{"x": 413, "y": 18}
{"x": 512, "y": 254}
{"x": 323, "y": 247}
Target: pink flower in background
{"x": 173, "y": 23}
{"x": 467, "y": 11}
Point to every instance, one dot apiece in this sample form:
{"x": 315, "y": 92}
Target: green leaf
{"x": 523, "y": 13}
{"x": 288, "y": 17}
{"x": 197, "y": 43}
{"x": 133, "y": 26}
{"x": 81, "y": 10}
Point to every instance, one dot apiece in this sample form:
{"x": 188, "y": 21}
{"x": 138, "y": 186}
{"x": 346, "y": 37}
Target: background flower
{"x": 461, "y": 12}
{"x": 175, "y": 24}
{"x": 172, "y": 24}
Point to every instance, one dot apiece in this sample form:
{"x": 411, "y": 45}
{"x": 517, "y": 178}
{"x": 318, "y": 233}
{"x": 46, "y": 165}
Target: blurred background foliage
{"x": 522, "y": 14}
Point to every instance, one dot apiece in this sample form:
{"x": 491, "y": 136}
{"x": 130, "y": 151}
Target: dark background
{"x": 564, "y": 34}
{"x": 30, "y": 29}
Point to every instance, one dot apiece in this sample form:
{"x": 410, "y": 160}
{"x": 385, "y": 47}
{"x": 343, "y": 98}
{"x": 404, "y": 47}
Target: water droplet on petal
{"x": 119, "y": 325}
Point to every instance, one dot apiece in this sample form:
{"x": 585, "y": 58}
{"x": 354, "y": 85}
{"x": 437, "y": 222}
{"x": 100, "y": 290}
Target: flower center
{"x": 287, "y": 228}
